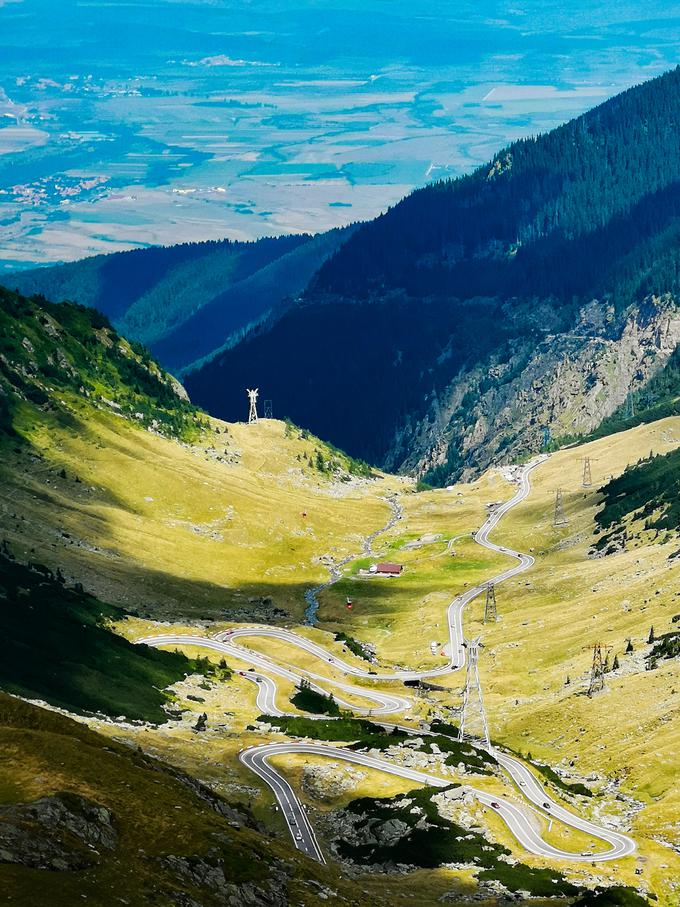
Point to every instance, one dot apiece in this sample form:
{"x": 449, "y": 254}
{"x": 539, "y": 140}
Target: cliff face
{"x": 478, "y": 314}
{"x": 566, "y": 385}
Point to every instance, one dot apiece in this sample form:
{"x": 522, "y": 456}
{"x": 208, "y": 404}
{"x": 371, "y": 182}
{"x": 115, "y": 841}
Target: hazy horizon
{"x": 125, "y": 125}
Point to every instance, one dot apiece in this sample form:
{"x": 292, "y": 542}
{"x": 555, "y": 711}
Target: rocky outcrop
{"x": 352, "y": 832}
{"x": 565, "y": 385}
{"x": 213, "y": 874}
{"x": 325, "y": 782}
{"x": 67, "y": 832}
{"x": 177, "y": 388}
{"x": 58, "y": 833}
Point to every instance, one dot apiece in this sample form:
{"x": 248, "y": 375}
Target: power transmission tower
{"x": 252, "y": 413}
{"x": 490, "y": 612}
{"x": 473, "y": 725}
{"x": 587, "y": 473}
{"x": 268, "y": 410}
{"x": 560, "y": 517}
{"x": 599, "y": 668}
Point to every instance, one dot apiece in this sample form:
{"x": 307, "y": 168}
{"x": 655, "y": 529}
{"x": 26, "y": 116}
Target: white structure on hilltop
{"x": 252, "y": 396}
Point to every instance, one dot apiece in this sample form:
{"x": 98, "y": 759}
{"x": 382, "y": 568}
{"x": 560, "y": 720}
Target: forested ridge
{"x": 597, "y": 185}
{"x": 468, "y": 276}
{"x": 53, "y": 356}
{"x": 184, "y": 302}
{"x": 648, "y": 490}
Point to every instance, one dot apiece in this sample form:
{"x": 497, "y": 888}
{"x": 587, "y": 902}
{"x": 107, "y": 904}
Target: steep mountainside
{"x": 659, "y": 398}
{"x": 109, "y": 478}
{"x": 111, "y": 475}
{"x": 448, "y": 317}
{"x": 91, "y": 425}
{"x": 186, "y": 301}
{"x": 49, "y": 353}
{"x": 59, "y": 648}
{"x": 641, "y": 504}
{"x": 225, "y": 318}
{"x": 76, "y": 825}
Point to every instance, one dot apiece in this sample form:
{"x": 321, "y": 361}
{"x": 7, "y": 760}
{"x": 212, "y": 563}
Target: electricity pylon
{"x": 560, "y": 518}
{"x": 587, "y": 474}
{"x": 252, "y": 413}
{"x": 268, "y": 409}
{"x": 490, "y": 612}
{"x": 473, "y": 724}
{"x": 599, "y": 668}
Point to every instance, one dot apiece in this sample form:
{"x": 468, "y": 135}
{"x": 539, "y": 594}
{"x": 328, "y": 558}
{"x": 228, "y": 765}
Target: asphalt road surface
{"x": 382, "y": 703}
{"x": 517, "y": 818}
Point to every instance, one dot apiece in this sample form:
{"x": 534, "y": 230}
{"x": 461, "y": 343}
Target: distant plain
{"x": 123, "y": 125}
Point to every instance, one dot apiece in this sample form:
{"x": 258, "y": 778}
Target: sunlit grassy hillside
{"x": 205, "y": 529}
{"x": 159, "y": 836}
{"x": 536, "y": 663}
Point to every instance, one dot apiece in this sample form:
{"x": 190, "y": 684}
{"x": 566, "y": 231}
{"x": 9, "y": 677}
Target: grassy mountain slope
{"x": 620, "y": 744}
{"x": 536, "y": 660}
{"x": 643, "y": 502}
{"x": 561, "y": 247}
{"x": 90, "y": 427}
{"x": 234, "y": 522}
{"x": 185, "y": 301}
{"x": 58, "y": 649}
{"x": 110, "y": 475}
{"x": 85, "y": 817}
{"x": 628, "y": 734}
{"x": 50, "y": 354}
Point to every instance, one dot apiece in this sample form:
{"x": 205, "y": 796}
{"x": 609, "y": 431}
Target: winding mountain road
{"x": 382, "y": 703}
{"x": 520, "y": 819}
{"x": 517, "y": 818}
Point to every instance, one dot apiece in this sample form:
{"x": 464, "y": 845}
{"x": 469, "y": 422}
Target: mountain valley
{"x": 129, "y": 520}
{"x": 345, "y": 567}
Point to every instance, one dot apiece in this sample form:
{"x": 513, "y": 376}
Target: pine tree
{"x": 651, "y": 638}
{"x": 629, "y": 647}
{"x": 615, "y": 664}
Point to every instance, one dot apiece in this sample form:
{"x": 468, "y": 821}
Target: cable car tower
{"x": 252, "y": 396}
{"x": 599, "y": 668}
{"x": 587, "y": 472}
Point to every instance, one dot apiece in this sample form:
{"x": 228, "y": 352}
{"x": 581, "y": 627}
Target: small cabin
{"x": 387, "y": 569}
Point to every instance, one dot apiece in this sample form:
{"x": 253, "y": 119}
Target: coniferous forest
{"x": 467, "y": 269}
